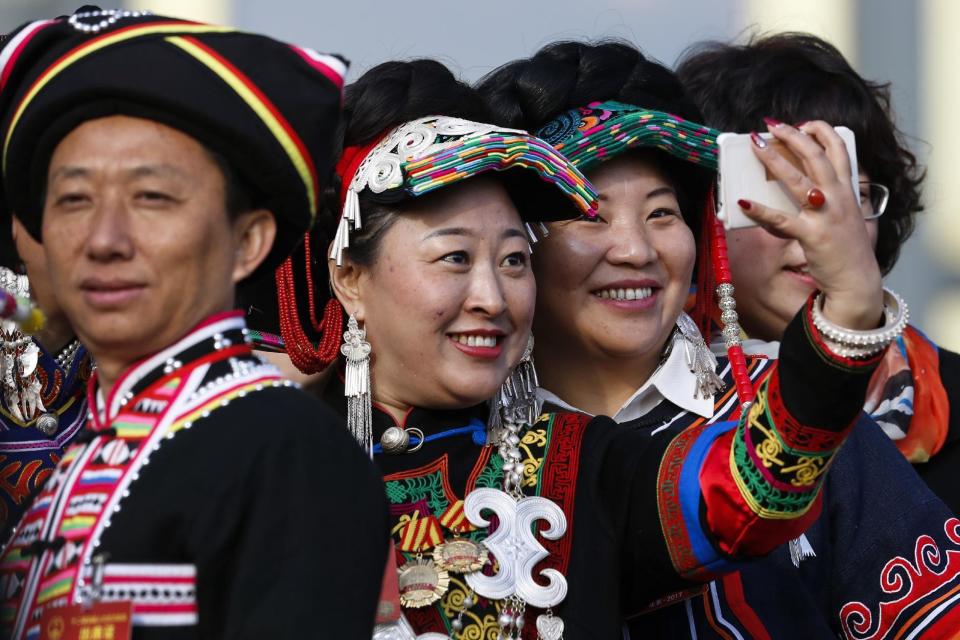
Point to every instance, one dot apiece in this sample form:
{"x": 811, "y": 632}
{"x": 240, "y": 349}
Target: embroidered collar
{"x": 218, "y": 333}
{"x": 672, "y": 381}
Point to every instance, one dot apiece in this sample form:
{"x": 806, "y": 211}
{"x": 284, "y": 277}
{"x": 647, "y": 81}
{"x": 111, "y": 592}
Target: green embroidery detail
{"x": 767, "y": 496}
{"x": 428, "y": 487}
{"x": 492, "y": 475}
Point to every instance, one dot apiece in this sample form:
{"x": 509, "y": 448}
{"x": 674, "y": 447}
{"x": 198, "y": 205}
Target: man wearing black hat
{"x": 163, "y": 163}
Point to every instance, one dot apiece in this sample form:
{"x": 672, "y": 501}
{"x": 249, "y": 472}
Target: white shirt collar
{"x": 672, "y": 381}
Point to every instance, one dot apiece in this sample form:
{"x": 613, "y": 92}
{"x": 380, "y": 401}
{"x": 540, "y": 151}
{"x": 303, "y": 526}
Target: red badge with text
{"x": 100, "y": 621}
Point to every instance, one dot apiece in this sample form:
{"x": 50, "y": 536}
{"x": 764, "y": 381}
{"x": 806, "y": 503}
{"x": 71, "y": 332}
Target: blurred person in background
{"x": 43, "y": 403}
{"x": 796, "y": 77}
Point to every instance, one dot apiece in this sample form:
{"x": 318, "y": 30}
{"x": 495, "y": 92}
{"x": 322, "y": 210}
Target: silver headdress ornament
{"x": 97, "y": 21}
{"x": 382, "y": 169}
{"x": 428, "y": 153}
{"x": 19, "y": 356}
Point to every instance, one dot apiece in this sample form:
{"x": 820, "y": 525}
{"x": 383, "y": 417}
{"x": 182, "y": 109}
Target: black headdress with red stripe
{"x": 269, "y": 108}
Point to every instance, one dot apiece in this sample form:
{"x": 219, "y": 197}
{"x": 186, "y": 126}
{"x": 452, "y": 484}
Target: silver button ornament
{"x": 395, "y": 440}
{"x": 47, "y": 423}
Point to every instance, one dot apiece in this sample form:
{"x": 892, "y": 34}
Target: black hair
{"x": 530, "y": 92}
{"x": 796, "y": 77}
{"x": 239, "y": 197}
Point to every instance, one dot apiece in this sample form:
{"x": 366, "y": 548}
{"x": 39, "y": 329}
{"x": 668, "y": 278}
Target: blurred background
{"x": 911, "y": 43}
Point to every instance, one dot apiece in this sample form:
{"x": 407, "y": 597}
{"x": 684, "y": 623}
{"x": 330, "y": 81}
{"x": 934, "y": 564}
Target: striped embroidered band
{"x": 425, "y": 154}
{"x": 587, "y": 135}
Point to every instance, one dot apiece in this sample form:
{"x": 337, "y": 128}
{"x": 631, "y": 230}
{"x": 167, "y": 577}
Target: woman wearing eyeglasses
{"x": 798, "y": 77}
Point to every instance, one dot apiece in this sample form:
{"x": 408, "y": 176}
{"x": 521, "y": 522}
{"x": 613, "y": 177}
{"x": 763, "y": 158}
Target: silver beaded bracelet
{"x": 848, "y": 343}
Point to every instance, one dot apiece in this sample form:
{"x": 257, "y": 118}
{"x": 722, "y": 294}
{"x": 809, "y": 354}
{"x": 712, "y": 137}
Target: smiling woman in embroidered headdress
{"x": 181, "y": 508}
{"x": 429, "y": 265}
{"x": 609, "y": 308}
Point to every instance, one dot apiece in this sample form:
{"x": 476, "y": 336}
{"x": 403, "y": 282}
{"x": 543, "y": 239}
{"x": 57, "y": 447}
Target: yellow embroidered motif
{"x": 481, "y": 625}
{"x": 531, "y": 463}
{"x": 807, "y": 470}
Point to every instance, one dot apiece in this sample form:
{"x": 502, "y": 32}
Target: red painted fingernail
{"x": 772, "y": 122}
{"x": 801, "y": 123}
{"x": 744, "y": 204}
{"x": 757, "y": 140}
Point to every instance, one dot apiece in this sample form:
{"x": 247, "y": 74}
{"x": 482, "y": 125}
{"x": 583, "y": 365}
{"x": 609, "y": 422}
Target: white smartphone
{"x": 742, "y": 175}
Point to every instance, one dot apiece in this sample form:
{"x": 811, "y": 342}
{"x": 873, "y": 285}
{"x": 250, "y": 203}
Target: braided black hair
{"x": 796, "y": 77}
{"x": 564, "y": 75}
{"x": 530, "y": 92}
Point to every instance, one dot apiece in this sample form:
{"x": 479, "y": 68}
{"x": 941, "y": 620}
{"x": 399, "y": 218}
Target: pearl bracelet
{"x": 848, "y": 343}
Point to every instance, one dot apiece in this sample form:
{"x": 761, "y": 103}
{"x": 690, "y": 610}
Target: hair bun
{"x": 395, "y": 92}
{"x": 530, "y": 92}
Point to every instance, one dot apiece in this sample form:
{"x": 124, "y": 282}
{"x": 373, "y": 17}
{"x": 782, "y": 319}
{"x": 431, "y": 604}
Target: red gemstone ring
{"x": 815, "y": 198}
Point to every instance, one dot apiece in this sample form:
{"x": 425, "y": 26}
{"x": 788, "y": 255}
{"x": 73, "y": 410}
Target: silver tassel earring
{"x": 517, "y": 401}
{"x": 356, "y": 387}
{"x": 700, "y": 360}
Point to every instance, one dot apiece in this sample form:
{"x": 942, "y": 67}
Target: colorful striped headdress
{"x": 268, "y": 108}
{"x": 588, "y": 135}
{"x": 426, "y": 154}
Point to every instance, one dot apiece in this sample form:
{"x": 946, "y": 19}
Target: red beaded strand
{"x": 310, "y": 293}
{"x": 723, "y": 278}
{"x": 300, "y": 349}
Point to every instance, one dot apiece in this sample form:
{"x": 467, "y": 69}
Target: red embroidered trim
{"x": 794, "y": 434}
{"x": 559, "y": 481}
{"x": 441, "y": 464}
{"x": 668, "y": 498}
{"x": 735, "y": 598}
{"x": 930, "y": 578}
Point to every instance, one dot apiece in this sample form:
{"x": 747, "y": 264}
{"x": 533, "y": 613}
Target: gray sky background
{"x": 474, "y": 37}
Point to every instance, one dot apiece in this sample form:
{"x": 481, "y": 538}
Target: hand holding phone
{"x": 830, "y": 229}
{"x": 744, "y": 177}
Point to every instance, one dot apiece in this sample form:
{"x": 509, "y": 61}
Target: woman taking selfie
{"x": 610, "y": 299}
{"x": 796, "y": 77}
